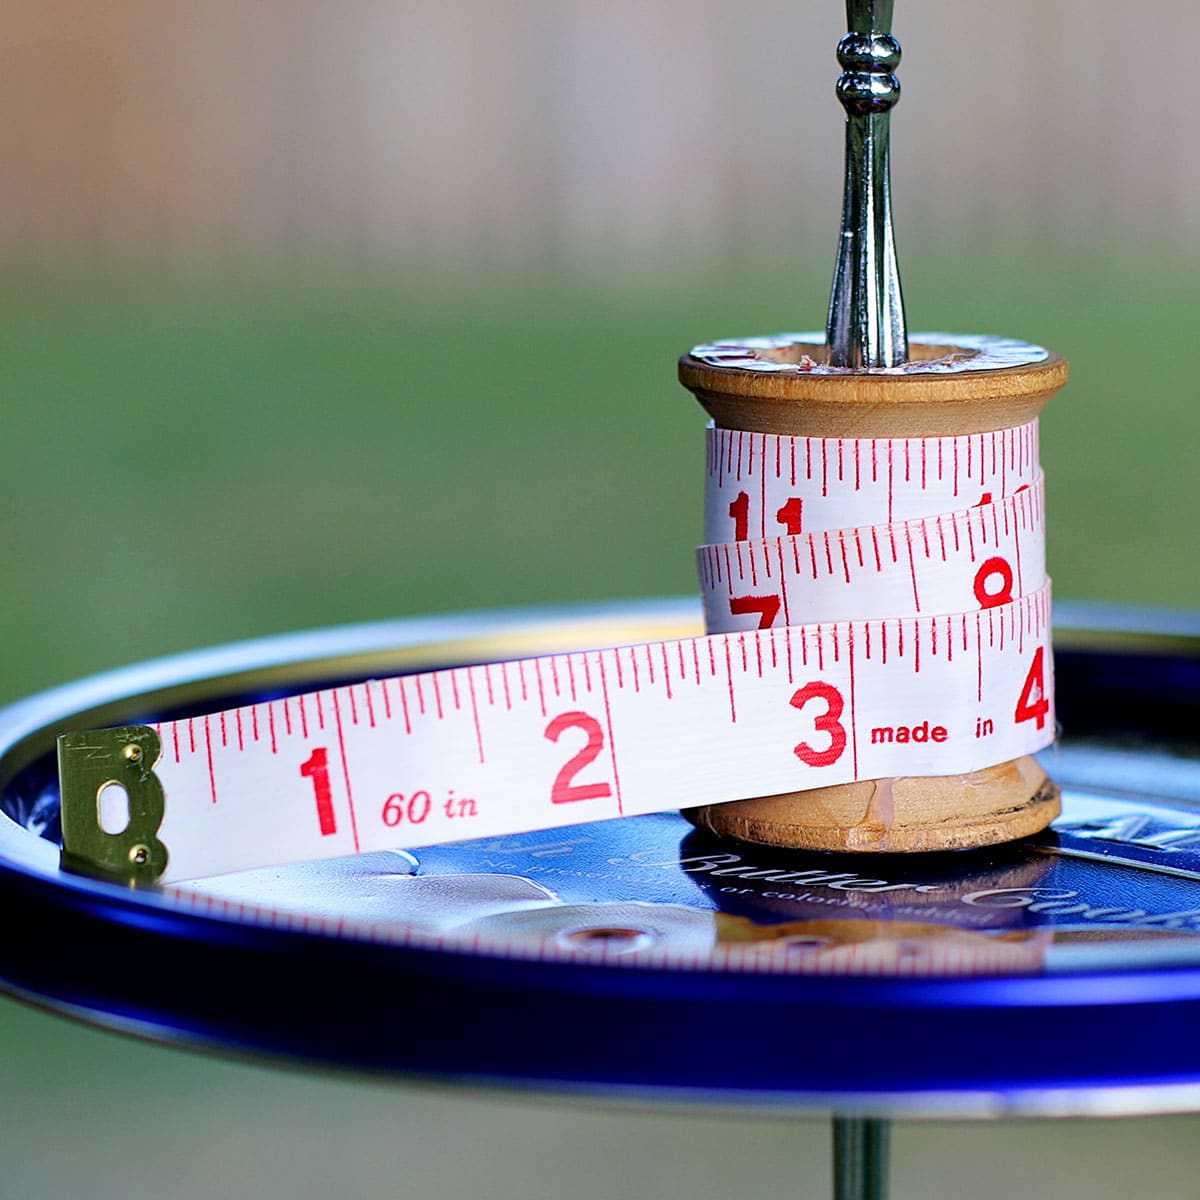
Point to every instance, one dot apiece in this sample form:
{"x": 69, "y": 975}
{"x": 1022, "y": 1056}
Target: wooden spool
{"x": 945, "y": 390}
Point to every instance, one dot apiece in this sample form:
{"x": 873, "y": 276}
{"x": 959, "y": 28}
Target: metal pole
{"x": 860, "y": 1158}
{"x": 866, "y": 326}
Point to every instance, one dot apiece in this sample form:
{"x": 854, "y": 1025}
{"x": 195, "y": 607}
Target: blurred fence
{"x": 496, "y": 130}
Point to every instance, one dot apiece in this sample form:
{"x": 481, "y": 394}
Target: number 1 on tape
{"x": 508, "y": 747}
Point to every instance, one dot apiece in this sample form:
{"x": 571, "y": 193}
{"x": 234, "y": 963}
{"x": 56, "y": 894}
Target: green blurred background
{"x": 315, "y": 313}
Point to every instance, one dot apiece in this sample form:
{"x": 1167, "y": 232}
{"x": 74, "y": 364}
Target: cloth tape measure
{"x": 876, "y": 607}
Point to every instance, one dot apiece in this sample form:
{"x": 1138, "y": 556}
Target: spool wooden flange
{"x": 949, "y": 388}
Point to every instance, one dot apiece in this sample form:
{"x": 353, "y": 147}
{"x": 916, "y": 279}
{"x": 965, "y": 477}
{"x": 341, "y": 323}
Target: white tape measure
{"x": 911, "y": 640}
{"x": 980, "y": 558}
{"x": 760, "y": 485}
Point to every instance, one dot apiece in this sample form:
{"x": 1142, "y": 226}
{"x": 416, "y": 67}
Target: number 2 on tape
{"x": 564, "y": 789}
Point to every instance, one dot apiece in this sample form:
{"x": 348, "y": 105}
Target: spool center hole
{"x": 819, "y": 353}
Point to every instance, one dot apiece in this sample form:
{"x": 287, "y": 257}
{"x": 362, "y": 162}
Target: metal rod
{"x": 860, "y": 1158}
{"x": 866, "y": 326}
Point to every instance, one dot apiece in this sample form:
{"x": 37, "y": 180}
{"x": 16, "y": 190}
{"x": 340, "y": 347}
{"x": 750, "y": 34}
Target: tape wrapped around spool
{"x": 778, "y": 396}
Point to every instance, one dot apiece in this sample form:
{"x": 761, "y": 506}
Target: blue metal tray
{"x": 640, "y": 958}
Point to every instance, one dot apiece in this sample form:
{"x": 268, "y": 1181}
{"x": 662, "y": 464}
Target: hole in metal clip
{"x": 112, "y": 805}
{"x": 614, "y": 937}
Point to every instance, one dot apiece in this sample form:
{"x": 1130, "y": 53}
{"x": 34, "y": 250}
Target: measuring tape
{"x": 877, "y": 607}
{"x": 982, "y": 557}
{"x": 760, "y": 485}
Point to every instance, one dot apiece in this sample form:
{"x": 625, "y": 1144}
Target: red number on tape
{"x": 1032, "y": 705}
{"x": 739, "y": 510}
{"x": 789, "y": 516}
{"x": 414, "y": 809}
{"x": 564, "y": 791}
{"x": 316, "y": 768}
{"x": 1003, "y": 594}
{"x": 767, "y": 608}
{"x": 827, "y": 722}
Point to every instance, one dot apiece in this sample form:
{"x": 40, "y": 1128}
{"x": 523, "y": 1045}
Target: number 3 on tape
{"x": 502, "y": 748}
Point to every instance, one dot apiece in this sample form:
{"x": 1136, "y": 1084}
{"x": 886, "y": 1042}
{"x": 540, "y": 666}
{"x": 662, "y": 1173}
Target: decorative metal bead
{"x": 876, "y": 53}
{"x": 863, "y": 94}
